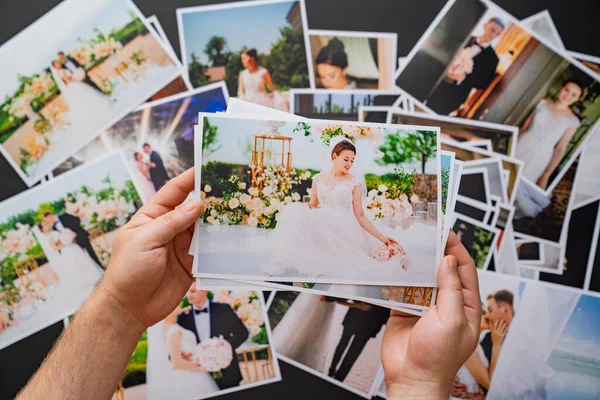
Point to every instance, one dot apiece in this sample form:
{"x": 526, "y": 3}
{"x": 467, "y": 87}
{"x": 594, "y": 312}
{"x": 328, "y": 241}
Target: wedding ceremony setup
{"x": 335, "y": 149}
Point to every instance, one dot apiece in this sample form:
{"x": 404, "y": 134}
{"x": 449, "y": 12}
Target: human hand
{"x": 421, "y": 356}
{"x": 150, "y": 268}
{"x": 542, "y": 181}
{"x": 458, "y": 389}
{"x": 388, "y": 241}
{"x": 186, "y": 356}
{"x": 457, "y": 75}
{"x": 498, "y": 330}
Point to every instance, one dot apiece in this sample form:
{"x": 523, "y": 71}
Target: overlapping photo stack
{"x": 332, "y": 178}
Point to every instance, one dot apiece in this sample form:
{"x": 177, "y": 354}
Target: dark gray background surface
{"x": 576, "y": 21}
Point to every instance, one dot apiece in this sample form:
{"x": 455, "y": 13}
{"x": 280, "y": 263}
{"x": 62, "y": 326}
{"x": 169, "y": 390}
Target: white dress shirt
{"x": 202, "y": 321}
{"x": 59, "y": 226}
{"x": 70, "y": 66}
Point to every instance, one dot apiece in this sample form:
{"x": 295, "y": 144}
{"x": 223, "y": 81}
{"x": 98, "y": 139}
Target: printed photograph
{"x": 336, "y": 339}
{"x": 542, "y": 24}
{"x": 259, "y": 62}
{"x": 530, "y": 252}
{"x": 474, "y": 189}
{"x": 478, "y": 239}
{"x": 353, "y": 60}
{"x": 502, "y": 137}
{"x": 157, "y": 139}
{"x": 373, "y": 114}
{"x": 500, "y": 298}
{"x": 549, "y": 351}
{"x": 91, "y": 72}
{"x": 510, "y": 165}
{"x": 494, "y": 173}
{"x": 540, "y": 216}
{"x": 56, "y": 241}
{"x": 479, "y": 63}
{"x": 213, "y": 343}
{"x": 318, "y": 201}
{"x": 587, "y": 189}
{"x": 133, "y": 382}
{"x": 592, "y": 62}
{"x": 339, "y": 106}
{"x": 552, "y": 262}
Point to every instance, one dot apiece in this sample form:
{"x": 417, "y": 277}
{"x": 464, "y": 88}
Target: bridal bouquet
{"x": 214, "y": 355}
{"x": 462, "y": 63}
{"x": 387, "y": 253}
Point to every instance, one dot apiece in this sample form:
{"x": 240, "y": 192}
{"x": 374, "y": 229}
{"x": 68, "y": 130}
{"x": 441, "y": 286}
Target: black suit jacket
{"x": 223, "y": 322}
{"x": 364, "y": 322}
{"x": 158, "y": 174}
{"x": 447, "y": 97}
{"x": 74, "y": 223}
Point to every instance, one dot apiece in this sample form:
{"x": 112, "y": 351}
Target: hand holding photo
{"x": 325, "y": 216}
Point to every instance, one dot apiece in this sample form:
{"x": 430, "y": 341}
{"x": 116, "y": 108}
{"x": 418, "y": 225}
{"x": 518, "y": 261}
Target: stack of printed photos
{"x": 332, "y": 178}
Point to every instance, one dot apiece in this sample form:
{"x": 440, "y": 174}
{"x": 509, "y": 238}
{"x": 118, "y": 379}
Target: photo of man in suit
{"x": 456, "y": 85}
{"x": 71, "y": 65}
{"x": 158, "y": 172}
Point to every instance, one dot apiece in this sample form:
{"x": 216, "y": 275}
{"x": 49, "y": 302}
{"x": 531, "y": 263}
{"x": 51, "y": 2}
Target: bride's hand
{"x": 542, "y": 182}
{"x": 388, "y": 241}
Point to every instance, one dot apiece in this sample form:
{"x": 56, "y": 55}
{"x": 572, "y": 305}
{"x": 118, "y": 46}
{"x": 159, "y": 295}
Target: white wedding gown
{"x": 74, "y": 266}
{"x": 254, "y": 91}
{"x": 536, "y": 145}
{"x": 189, "y": 384}
{"x": 145, "y": 184}
{"x": 327, "y": 241}
{"x": 303, "y": 327}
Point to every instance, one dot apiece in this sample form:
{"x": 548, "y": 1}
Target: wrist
{"x": 121, "y": 318}
{"x": 419, "y": 390}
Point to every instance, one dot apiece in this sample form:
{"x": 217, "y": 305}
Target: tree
{"x": 197, "y": 72}
{"x": 287, "y": 61}
{"x": 210, "y": 143}
{"x": 233, "y": 67}
{"x": 402, "y": 147}
{"x": 214, "y": 50}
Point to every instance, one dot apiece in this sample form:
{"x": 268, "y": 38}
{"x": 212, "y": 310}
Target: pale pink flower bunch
{"x": 252, "y": 316}
{"x": 82, "y": 53}
{"x": 380, "y": 204}
{"x": 40, "y": 84}
{"x": 462, "y": 63}
{"x": 20, "y": 106}
{"x": 214, "y": 354}
{"x": 17, "y": 241}
{"x": 106, "y": 48}
{"x": 394, "y": 252}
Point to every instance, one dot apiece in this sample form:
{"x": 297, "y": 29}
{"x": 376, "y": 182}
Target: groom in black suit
{"x": 208, "y": 320}
{"x": 71, "y": 65}
{"x": 68, "y": 221}
{"x": 454, "y": 90}
{"x": 362, "y": 322}
{"x": 158, "y": 172}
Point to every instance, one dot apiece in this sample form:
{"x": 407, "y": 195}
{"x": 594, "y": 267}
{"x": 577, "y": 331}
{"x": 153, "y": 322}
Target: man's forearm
{"x": 90, "y": 357}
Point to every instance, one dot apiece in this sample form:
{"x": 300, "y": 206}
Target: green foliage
{"x": 214, "y": 50}
{"x": 130, "y": 31}
{"x": 261, "y": 337}
{"x": 233, "y": 67}
{"x": 481, "y": 246}
{"x": 197, "y": 72}
{"x": 445, "y": 183}
{"x": 280, "y": 305}
{"x": 399, "y": 182}
{"x": 287, "y": 60}
{"x": 210, "y": 142}
{"x": 406, "y": 147}
{"x": 307, "y": 285}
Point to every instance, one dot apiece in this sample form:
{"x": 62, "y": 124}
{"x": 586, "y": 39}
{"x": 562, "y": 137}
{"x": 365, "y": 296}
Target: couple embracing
{"x": 187, "y": 327}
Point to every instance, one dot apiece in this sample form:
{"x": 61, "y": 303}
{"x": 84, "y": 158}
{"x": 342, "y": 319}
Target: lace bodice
{"x": 253, "y": 81}
{"x": 337, "y": 195}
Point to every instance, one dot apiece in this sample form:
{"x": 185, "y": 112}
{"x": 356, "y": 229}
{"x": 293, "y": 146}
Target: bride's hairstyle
{"x": 333, "y": 54}
{"x": 574, "y": 82}
{"x": 341, "y": 146}
{"x": 57, "y": 64}
{"x": 252, "y": 53}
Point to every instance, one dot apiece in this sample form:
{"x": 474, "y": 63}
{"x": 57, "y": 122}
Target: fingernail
{"x": 190, "y": 205}
{"x": 451, "y": 261}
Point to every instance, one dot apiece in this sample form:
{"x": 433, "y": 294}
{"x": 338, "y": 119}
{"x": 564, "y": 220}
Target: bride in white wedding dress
{"x": 332, "y": 231}
{"x": 74, "y": 266}
{"x": 189, "y": 379}
{"x": 254, "y": 79}
{"x": 546, "y": 133}
{"x": 82, "y": 99}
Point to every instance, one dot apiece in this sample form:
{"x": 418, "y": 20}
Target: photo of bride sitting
{"x": 354, "y": 217}
{"x": 103, "y": 63}
{"x": 213, "y": 343}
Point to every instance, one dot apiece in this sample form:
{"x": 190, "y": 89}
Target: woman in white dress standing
{"x": 254, "y": 81}
{"x": 142, "y": 170}
{"x": 333, "y": 230}
{"x": 546, "y": 133}
{"x": 190, "y": 379}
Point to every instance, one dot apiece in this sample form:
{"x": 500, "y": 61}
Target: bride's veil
{"x": 357, "y": 169}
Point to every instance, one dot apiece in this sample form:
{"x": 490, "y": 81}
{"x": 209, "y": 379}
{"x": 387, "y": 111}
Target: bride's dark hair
{"x": 333, "y": 54}
{"x": 252, "y": 53}
{"x": 341, "y": 146}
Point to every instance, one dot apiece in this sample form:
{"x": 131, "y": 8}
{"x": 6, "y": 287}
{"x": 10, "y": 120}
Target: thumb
{"x": 450, "y": 296}
{"x": 164, "y": 228}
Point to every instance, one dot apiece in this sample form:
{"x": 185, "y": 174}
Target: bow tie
{"x": 204, "y": 310}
